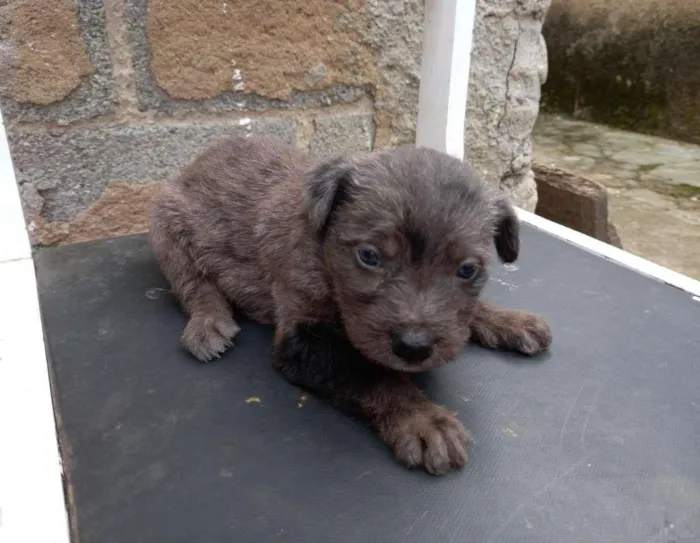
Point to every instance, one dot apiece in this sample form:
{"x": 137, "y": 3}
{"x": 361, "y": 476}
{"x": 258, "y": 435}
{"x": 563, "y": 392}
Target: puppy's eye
{"x": 467, "y": 271}
{"x": 369, "y": 257}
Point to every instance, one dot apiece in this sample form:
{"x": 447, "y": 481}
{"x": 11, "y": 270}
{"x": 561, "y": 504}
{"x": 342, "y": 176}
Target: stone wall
{"x": 633, "y": 64}
{"x": 105, "y": 99}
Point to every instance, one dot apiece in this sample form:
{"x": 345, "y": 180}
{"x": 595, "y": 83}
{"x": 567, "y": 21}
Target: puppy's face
{"x": 407, "y": 236}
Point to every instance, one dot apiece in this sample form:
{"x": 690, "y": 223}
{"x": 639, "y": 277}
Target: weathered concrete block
{"x": 278, "y": 46}
{"x": 121, "y": 210}
{"x": 394, "y": 30}
{"x": 279, "y": 54}
{"x": 208, "y": 57}
{"x": 509, "y": 65}
{"x": 283, "y": 54}
{"x": 338, "y": 134}
{"x": 76, "y": 168}
{"x": 236, "y": 56}
{"x": 54, "y": 61}
{"x": 576, "y": 202}
{"x": 51, "y": 58}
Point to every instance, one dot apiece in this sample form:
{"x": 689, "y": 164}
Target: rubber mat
{"x": 598, "y": 441}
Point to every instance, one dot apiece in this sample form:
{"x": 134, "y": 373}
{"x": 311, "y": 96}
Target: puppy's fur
{"x": 369, "y": 268}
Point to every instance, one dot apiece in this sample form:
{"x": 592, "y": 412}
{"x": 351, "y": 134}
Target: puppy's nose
{"x": 413, "y": 347}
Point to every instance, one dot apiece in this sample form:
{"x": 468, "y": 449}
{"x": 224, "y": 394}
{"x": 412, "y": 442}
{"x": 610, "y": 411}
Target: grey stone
{"x": 524, "y": 193}
{"x": 337, "y": 134}
{"x": 685, "y": 174}
{"x": 508, "y": 67}
{"x": 637, "y": 156}
{"x": 32, "y": 201}
{"x": 70, "y": 171}
{"x": 678, "y": 151}
{"x": 95, "y": 96}
{"x": 587, "y": 149}
{"x": 395, "y": 31}
{"x": 655, "y": 220}
{"x": 316, "y": 74}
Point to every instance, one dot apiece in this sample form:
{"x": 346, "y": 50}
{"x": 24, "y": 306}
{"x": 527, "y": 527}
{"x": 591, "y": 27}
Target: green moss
{"x": 579, "y": 137}
{"x": 684, "y": 190}
{"x": 681, "y": 191}
{"x": 649, "y": 167}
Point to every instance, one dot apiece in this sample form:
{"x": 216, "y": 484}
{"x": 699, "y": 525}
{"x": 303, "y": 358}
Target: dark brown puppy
{"x": 369, "y": 267}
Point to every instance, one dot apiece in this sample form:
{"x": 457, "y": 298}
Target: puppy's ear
{"x": 506, "y": 236}
{"x": 325, "y": 189}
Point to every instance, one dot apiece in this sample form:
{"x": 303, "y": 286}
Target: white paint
{"x": 237, "y": 80}
{"x": 610, "y": 252}
{"x": 32, "y": 507}
{"x": 14, "y": 243}
{"x": 442, "y": 102}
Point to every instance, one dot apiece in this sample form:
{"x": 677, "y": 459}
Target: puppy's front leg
{"x": 422, "y": 434}
{"x": 512, "y": 330}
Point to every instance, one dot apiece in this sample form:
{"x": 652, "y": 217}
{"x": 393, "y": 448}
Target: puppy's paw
{"x": 207, "y": 337}
{"x": 512, "y": 330}
{"x": 530, "y": 334}
{"x": 431, "y": 438}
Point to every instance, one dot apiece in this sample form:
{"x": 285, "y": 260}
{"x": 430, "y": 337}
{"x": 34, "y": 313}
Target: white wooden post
{"x": 32, "y": 506}
{"x": 447, "y": 46}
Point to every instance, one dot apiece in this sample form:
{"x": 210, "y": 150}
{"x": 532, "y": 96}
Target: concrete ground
{"x": 653, "y": 185}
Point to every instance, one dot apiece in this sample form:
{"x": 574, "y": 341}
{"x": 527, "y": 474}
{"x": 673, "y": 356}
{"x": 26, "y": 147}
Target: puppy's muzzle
{"x": 412, "y": 347}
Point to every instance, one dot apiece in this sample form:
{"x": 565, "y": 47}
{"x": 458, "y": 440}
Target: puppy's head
{"x": 407, "y": 235}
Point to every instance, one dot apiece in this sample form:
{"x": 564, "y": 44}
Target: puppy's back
{"x": 240, "y": 170}
{"x": 226, "y": 185}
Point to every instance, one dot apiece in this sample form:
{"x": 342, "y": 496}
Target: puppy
{"x": 370, "y": 268}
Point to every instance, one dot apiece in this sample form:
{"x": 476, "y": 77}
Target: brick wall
{"x": 104, "y": 100}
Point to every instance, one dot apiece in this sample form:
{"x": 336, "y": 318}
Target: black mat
{"x": 597, "y": 442}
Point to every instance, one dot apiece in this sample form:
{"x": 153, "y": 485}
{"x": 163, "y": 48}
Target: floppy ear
{"x": 506, "y": 236}
{"x": 325, "y": 188}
